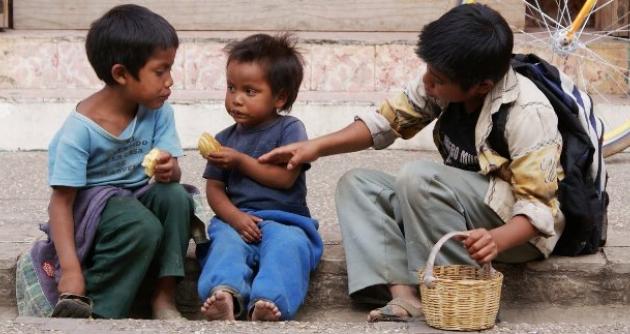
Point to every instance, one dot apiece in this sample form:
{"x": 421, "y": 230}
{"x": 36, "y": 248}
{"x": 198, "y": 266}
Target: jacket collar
{"x": 505, "y": 91}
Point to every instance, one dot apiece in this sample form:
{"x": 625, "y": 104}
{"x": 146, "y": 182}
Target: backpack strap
{"x": 496, "y": 139}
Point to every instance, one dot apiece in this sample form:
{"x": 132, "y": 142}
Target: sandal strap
{"x": 413, "y": 311}
{"x": 386, "y": 313}
{"x": 84, "y": 299}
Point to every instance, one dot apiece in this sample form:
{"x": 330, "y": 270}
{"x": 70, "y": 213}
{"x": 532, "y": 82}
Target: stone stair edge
{"x": 333, "y": 259}
{"x": 588, "y": 270}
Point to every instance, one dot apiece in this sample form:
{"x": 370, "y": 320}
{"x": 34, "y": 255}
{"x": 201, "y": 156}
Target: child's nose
{"x": 428, "y": 83}
{"x": 169, "y": 81}
{"x": 238, "y": 99}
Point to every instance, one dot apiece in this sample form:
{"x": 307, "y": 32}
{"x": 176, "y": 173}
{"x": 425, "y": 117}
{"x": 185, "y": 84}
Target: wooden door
{"x": 257, "y": 15}
{"x": 615, "y": 16}
{"x": 4, "y": 13}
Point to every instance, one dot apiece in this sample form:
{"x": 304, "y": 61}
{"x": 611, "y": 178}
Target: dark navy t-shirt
{"x": 457, "y": 136}
{"x": 245, "y": 193}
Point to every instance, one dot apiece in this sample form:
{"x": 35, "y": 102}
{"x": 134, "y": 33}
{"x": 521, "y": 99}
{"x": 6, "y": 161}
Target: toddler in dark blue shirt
{"x": 263, "y": 242}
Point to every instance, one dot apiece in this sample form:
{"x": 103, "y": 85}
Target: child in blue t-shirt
{"x": 111, "y": 230}
{"x": 263, "y": 242}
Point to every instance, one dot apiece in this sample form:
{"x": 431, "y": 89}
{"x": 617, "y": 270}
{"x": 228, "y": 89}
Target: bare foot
{"x": 265, "y": 311}
{"x": 163, "y": 304}
{"x": 219, "y": 306}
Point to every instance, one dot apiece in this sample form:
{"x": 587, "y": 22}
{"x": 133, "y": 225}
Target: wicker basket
{"x": 459, "y": 297}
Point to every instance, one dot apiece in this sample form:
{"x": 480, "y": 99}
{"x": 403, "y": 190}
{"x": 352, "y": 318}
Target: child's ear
{"x": 120, "y": 74}
{"x": 281, "y": 100}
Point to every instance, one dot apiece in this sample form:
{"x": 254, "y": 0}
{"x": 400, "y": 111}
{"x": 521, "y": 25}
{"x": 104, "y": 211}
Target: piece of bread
{"x": 207, "y": 144}
{"x": 149, "y": 161}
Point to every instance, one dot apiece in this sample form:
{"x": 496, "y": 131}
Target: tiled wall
{"x": 43, "y": 61}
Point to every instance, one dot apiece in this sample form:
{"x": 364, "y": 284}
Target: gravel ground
{"x": 198, "y": 327}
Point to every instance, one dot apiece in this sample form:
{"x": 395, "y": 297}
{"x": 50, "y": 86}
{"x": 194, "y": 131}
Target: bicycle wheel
{"x": 595, "y": 54}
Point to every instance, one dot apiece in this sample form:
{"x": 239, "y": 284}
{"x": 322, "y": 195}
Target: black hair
{"x": 469, "y": 44}
{"x": 278, "y": 57}
{"x": 127, "y": 35}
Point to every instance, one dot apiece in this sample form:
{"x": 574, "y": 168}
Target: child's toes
{"x": 265, "y": 311}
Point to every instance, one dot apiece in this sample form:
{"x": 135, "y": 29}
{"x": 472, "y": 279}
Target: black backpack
{"x": 582, "y": 192}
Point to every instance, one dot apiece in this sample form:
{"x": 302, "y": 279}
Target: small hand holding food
{"x": 226, "y": 158}
{"x": 159, "y": 164}
{"x": 207, "y": 144}
{"x": 165, "y": 167}
{"x": 149, "y": 161}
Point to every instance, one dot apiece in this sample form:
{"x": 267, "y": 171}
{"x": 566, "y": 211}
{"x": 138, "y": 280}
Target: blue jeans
{"x": 277, "y": 269}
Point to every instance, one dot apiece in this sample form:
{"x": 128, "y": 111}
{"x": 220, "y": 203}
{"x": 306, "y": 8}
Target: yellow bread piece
{"x": 149, "y": 161}
{"x": 207, "y": 144}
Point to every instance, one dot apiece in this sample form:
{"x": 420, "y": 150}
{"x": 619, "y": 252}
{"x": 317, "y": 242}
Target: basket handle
{"x": 428, "y": 279}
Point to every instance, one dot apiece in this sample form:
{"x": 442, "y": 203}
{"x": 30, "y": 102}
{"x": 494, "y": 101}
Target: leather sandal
{"x": 72, "y": 306}
{"x": 386, "y": 313}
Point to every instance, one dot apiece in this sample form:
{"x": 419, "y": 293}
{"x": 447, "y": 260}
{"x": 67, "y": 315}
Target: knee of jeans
{"x": 295, "y": 246}
{"x": 219, "y": 231}
{"x": 149, "y": 232}
{"x": 415, "y": 174}
{"x": 351, "y": 179}
{"x": 296, "y": 240}
{"x": 172, "y": 194}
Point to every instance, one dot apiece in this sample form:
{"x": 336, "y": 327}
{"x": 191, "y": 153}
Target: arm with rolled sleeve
{"x": 535, "y": 147}
{"x": 534, "y": 144}
{"x": 403, "y": 115}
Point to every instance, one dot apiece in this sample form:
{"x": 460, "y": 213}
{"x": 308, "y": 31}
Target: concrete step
{"x": 599, "y": 279}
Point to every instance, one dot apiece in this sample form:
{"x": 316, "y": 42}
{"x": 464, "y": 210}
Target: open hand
{"x": 247, "y": 227}
{"x": 292, "y": 155}
{"x": 226, "y": 158}
{"x": 481, "y": 245}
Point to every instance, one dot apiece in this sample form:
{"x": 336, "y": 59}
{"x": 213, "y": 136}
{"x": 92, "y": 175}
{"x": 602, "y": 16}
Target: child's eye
{"x": 436, "y": 80}
{"x": 230, "y": 88}
{"x": 251, "y": 92}
{"x": 163, "y": 72}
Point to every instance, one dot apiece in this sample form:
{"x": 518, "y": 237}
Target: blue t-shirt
{"x": 246, "y": 193}
{"x": 83, "y": 154}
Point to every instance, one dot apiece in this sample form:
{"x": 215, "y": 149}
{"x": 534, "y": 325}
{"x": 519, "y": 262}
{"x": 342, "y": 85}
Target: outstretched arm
{"x": 354, "y": 137}
{"x": 269, "y": 175}
{"x": 62, "y": 230}
{"x": 401, "y": 116}
{"x": 274, "y": 176}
